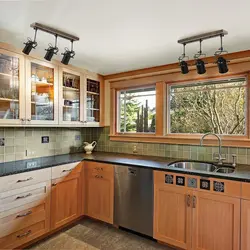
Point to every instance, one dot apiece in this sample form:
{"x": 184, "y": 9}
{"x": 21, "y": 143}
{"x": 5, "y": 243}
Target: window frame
{"x": 162, "y": 120}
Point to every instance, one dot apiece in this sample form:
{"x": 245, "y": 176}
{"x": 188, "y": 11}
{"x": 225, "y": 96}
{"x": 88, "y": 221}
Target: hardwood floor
{"x": 93, "y": 235}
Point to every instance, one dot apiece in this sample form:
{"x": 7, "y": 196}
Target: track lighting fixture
{"x": 183, "y": 64}
{"x": 51, "y": 50}
{"x": 200, "y": 64}
{"x": 221, "y": 61}
{"x": 68, "y": 54}
{"x": 29, "y": 45}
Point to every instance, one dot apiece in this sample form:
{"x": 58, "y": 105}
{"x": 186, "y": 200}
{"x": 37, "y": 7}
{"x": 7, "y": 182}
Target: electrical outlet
{"x": 31, "y": 164}
{"x": 135, "y": 149}
{"x": 77, "y": 137}
{"x": 45, "y": 139}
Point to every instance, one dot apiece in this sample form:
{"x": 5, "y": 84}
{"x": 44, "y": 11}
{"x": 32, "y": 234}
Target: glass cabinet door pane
{"x": 9, "y": 87}
{"x": 42, "y": 92}
{"x": 71, "y": 97}
{"x": 93, "y": 101}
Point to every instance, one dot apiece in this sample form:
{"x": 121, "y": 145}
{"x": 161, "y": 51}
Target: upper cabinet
{"x": 12, "y": 88}
{"x": 71, "y": 104}
{"x": 41, "y": 93}
{"x": 34, "y": 92}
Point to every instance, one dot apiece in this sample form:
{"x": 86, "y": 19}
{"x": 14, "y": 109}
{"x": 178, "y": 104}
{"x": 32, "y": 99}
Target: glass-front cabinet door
{"x": 92, "y": 111}
{"x": 70, "y": 97}
{"x": 42, "y": 93}
{"x": 12, "y": 88}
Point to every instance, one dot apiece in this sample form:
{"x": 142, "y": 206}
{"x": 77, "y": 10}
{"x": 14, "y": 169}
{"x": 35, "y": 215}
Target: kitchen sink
{"x": 203, "y": 166}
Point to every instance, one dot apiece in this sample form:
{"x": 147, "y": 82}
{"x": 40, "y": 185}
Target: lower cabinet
{"x": 99, "y": 184}
{"x": 245, "y": 224}
{"x": 66, "y": 200}
{"x": 195, "y": 220}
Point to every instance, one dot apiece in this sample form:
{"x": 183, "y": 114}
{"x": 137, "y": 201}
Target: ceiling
{"x": 118, "y": 36}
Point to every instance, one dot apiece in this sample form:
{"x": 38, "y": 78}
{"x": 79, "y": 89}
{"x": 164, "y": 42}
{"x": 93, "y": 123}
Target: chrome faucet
{"x": 219, "y": 158}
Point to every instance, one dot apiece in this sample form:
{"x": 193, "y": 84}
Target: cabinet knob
{"x": 54, "y": 184}
{"x": 29, "y": 120}
{"x": 22, "y": 119}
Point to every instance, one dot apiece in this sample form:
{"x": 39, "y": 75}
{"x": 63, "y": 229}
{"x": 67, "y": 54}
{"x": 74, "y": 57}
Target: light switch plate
{"x": 77, "y": 137}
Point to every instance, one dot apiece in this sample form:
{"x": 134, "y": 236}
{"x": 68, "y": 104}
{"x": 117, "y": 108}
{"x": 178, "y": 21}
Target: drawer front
{"x": 24, "y": 179}
{"x": 198, "y": 183}
{"x": 66, "y": 169}
{"x": 21, "y": 220}
{"x": 22, "y": 196}
{"x": 246, "y": 191}
{"x": 23, "y": 236}
{"x": 97, "y": 167}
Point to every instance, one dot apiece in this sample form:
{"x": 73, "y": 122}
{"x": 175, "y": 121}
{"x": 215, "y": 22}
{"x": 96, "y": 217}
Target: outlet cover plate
{"x": 45, "y": 139}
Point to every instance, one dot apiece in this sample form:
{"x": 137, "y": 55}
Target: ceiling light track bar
{"x": 53, "y": 31}
{"x": 203, "y": 36}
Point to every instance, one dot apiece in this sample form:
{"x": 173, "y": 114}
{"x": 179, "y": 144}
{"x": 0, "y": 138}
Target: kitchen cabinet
{"x": 99, "y": 187}
{"x": 41, "y": 93}
{"x": 12, "y": 88}
{"x": 216, "y": 222}
{"x": 245, "y": 224}
{"x": 190, "y": 218}
{"x": 66, "y": 197}
{"x": 71, "y": 97}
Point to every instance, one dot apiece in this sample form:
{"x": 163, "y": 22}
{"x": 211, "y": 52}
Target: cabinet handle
{"x": 54, "y": 184}
{"x": 188, "y": 200}
{"x": 23, "y": 235}
{"x": 23, "y": 215}
{"x": 67, "y": 170}
{"x": 23, "y": 196}
{"x": 99, "y": 169}
{"x": 29, "y": 120}
{"x": 194, "y": 201}
{"x": 29, "y": 179}
{"x": 22, "y": 119}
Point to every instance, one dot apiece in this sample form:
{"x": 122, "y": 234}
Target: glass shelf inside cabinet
{"x": 42, "y": 92}
{"x": 9, "y": 87}
{"x": 71, "y": 97}
{"x": 93, "y": 101}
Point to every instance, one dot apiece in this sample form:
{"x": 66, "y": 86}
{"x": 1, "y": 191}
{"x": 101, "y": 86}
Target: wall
{"x": 101, "y": 135}
{"x": 18, "y": 140}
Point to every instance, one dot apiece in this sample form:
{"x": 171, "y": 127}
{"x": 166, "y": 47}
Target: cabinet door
{"x": 41, "y": 93}
{"x": 172, "y": 215}
{"x": 12, "y": 88}
{"x": 100, "y": 197}
{"x": 71, "y": 97}
{"x": 216, "y": 222}
{"x": 65, "y": 200}
{"x": 245, "y": 224}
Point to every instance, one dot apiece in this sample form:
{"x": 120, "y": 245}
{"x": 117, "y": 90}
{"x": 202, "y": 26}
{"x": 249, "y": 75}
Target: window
{"x": 211, "y": 106}
{"x": 136, "y": 110}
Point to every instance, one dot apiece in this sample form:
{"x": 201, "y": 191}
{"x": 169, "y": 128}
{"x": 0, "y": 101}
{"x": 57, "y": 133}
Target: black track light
{"x": 200, "y": 64}
{"x": 221, "y": 61}
{"x": 68, "y": 54}
{"x": 51, "y": 51}
{"x": 30, "y": 44}
{"x": 183, "y": 64}
{"x": 222, "y": 65}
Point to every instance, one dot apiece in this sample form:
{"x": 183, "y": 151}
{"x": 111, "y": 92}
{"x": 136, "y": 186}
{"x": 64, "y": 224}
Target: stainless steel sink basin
{"x": 203, "y": 166}
{"x": 194, "y": 165}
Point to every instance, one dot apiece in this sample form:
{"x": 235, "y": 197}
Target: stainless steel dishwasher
{"x": 134, "y": 199}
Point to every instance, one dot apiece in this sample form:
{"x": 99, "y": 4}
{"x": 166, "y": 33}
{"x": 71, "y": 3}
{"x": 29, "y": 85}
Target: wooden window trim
{"x": 161, "y": 135}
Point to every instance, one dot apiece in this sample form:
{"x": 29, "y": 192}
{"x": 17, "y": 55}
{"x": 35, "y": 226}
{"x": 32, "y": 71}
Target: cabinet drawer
{"x": 97, "y": 167}
{"x": 23, "y": 236}
{"x": 66, "y": 169}
{"x": 24, "y": 179}
{"x": 21, "y": 220}
{"x": 22, "y": 196}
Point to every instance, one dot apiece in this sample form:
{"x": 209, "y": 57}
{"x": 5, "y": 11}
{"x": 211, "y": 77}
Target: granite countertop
{"x": 242, "y": 172}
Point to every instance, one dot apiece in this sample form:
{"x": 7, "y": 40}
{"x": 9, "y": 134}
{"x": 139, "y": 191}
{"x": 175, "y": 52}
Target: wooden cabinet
{"x": 193, "y": 219}
{"x": 216, "y": 222}
{"x": 12, "y": 88}
{"x": 172, "y": 216}
{"x": 99, "y": 188}
{"x": 245, "y": 224}
{"x": 66, "y": 199}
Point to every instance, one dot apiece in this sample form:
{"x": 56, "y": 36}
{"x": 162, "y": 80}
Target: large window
{"x": 211, "y": 106}
{"x": 136, "y": 110}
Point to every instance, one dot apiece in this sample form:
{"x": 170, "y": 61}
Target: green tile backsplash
{"x": 101, "y": 135}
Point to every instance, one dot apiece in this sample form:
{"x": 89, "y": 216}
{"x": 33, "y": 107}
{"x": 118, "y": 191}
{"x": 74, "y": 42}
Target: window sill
{"x": 230, "y": 141}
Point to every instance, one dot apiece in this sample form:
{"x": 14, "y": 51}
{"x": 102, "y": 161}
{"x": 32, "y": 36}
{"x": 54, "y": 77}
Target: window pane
{"x": 218, "y": 107}
{"x": 136, "y": 111}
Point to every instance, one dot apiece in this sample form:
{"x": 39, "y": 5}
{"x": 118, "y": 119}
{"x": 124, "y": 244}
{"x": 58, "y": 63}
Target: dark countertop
{"x": 242, "y": 172}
